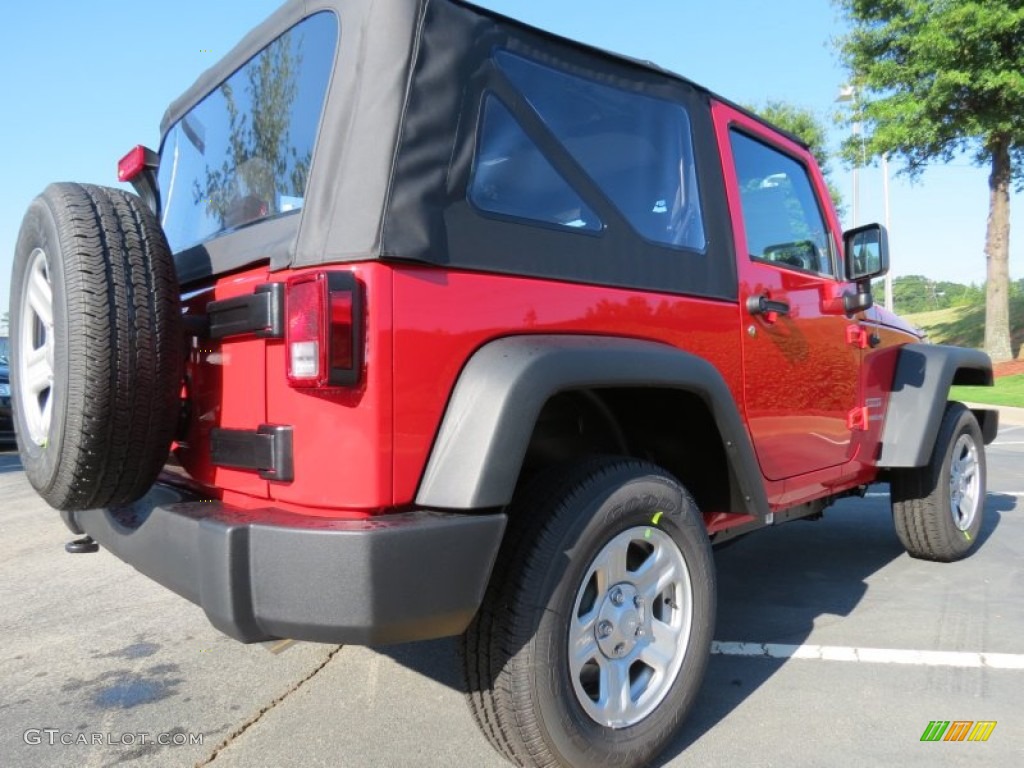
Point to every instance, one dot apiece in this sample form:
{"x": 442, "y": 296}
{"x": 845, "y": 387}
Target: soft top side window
{"x": 512, "y": 177}
{"x": 636, "y": 148}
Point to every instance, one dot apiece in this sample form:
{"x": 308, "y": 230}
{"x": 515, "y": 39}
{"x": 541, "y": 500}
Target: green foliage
{"x": 262, "y": 159}
{"x": 936, "y": 78}
{"x": 811, "y": 130}
{"x": 916, "y": 293}
{"x": 1009, "y": 390}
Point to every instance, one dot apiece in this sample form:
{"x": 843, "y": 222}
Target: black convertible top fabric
{"x": 395, "y": 148}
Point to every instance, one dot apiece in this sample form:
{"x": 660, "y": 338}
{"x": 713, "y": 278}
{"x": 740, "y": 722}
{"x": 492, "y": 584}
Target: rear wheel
{"x": 937, "y": 509}
{"x": 594, "y": 635}
{"x": 96, "y": 348}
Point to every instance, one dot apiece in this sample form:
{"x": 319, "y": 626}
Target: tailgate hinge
{"x": 267, "y": 449}
{"x": 260, "y": 313}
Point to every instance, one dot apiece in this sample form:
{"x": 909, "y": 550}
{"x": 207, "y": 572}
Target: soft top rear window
{"x": 243, "y": 153}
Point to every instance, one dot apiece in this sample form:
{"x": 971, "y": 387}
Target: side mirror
{"x": 867, "y": 252}
{"x": 867, "y": 256}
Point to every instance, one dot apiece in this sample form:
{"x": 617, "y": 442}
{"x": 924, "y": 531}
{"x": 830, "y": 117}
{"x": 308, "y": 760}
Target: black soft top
{"x": 377, "y": 187}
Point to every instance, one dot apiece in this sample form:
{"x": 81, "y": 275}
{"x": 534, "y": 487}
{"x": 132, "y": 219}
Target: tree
{"x": 262, "y": 159}
{"x": 938, "y": 78}
{"x": 804, "y": 124}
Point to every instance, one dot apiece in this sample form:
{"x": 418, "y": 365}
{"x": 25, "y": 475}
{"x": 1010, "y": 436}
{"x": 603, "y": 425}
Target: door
{"x": 800, "y": 373}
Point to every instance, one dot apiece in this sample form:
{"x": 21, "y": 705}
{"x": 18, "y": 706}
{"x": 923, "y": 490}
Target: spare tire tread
{"x": 155, "y": 328}
{"x": 123, "y": 353}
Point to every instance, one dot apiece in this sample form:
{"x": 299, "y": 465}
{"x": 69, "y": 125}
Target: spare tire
{"x": 96, "y": 346}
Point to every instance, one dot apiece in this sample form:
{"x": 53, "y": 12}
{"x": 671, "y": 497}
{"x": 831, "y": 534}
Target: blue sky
{"x": 84, "y": 82}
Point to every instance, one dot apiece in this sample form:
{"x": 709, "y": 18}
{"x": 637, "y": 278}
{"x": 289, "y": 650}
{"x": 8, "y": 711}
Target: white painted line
{"x": 884, "y": 495}
{"x": 1016, "y": 442}
{"x": 871, "y": 655}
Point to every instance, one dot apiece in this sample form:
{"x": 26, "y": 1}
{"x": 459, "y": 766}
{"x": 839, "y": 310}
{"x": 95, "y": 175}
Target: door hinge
{"x": 857, "y": 419}
{"x": 857, "y": 336}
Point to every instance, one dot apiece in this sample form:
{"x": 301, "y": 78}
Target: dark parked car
{"x": 6, "y": 421}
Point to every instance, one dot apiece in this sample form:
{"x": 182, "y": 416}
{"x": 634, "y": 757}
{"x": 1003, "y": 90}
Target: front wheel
{"x": 595, "y": 631}
{"x": 937, "y": 508}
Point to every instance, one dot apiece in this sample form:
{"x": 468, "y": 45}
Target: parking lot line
{"x": 880, "y": 494}
{"x": 871, "y": 655}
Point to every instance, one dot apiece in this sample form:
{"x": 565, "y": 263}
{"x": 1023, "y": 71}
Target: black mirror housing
{"x": 866, "y": 250}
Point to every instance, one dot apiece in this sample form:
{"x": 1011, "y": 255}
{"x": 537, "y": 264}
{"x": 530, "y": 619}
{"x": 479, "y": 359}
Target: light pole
{"x": 848, "y": 93}
{"x": 885, "y": 198}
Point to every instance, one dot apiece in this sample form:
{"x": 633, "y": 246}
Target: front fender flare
{"x": 479, "y": 450}
{"x": 920, "y": 388}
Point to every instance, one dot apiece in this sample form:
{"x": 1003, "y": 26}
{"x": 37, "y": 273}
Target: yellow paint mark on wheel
{"x": 656, "y": 518}
{"x": 967, "y": 535}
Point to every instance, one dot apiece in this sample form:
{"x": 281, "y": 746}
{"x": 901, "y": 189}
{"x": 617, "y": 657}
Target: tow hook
{"x": 82, "y": 546}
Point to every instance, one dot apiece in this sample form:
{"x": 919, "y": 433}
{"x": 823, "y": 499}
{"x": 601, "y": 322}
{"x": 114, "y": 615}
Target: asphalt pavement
{"x": 101, "y": 667}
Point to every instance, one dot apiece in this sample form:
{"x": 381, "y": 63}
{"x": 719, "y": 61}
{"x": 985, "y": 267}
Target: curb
{"x": 1008, "y": 416}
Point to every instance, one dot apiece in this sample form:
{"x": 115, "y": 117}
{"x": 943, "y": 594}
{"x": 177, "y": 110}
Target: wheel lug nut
{"x": 604, "y": 629}
{"x": 640, "y": 632}
{"x": 617, "y": 596}
{"x": 638, "y": 601}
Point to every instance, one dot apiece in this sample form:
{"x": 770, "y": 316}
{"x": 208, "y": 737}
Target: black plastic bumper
{"x": 268, "y": 574}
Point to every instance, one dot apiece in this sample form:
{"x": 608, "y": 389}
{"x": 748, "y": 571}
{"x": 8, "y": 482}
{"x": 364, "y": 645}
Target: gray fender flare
{"x": 479, "y": 449}
{"x": 920, "y": 388}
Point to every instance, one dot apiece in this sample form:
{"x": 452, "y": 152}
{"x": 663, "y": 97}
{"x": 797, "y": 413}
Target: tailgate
{"x": 225, "y": 388}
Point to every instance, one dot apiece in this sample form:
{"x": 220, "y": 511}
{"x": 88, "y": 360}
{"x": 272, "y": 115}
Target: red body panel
{"x": 441, "y": 318}
{"x": 801, "y": 377}
{"x": 342, "y": 437}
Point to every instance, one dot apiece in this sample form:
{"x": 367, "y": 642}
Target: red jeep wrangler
{"x": 451, "y": 326}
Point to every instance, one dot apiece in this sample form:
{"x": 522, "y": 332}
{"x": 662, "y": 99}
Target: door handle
{"x": 762, "y": 305}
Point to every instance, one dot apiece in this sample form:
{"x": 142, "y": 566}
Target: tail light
{"x": 131, "y": 166}
{"x": 138, "y": 168}
{"x": 324, "y": 333}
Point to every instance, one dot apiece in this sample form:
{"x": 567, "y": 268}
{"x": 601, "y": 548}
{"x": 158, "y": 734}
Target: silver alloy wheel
{"x": 36, "y": 345}
{"x": 630, "y": 627}
{"x": 964, "y": 482}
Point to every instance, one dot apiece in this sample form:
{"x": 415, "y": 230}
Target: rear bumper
{"x": 268, "y": 574}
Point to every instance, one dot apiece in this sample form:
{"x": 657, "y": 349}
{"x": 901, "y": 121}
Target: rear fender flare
{"x": 483, "y": 438}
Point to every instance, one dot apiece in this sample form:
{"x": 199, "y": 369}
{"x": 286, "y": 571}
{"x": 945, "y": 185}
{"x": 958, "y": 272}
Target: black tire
{"x": 519, "y": 677}
{"x": 923, "y": 497}
{"x": 113, "y": 348}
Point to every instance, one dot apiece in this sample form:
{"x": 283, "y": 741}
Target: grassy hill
{"x": 965, "y": 326}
